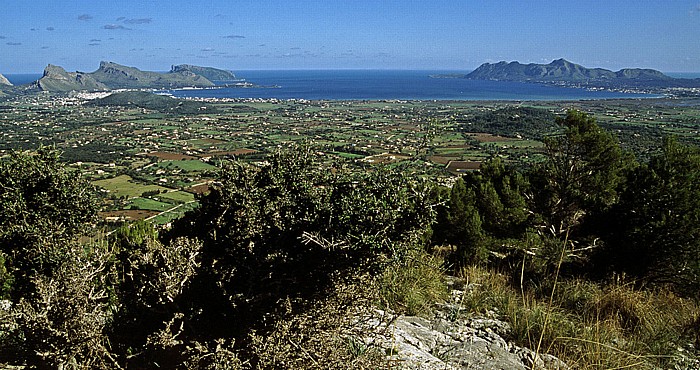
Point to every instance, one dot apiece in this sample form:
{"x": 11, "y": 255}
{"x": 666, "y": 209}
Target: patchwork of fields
{"x": 151, "y": 164}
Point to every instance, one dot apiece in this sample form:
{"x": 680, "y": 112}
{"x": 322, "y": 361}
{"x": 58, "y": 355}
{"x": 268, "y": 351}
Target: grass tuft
{"x": 414, "y": 285}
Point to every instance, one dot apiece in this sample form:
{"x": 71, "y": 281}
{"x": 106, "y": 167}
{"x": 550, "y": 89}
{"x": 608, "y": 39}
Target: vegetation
{"x": 512, "y": 121}
{"x": 148, "y": 100}
{"x": 588, "y": 253}
{"x": 587, "y": 212}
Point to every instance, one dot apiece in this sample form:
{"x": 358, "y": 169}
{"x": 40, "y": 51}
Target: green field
{"x": 148, "y": 204}
{"x": 123, "y": 186}
{"x": 187, "y": 165}
{"x": 176, "y": 197}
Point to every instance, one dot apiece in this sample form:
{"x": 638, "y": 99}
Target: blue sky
{"x": 329, "y": 34}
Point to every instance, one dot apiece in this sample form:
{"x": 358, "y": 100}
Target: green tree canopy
{"x": 584, "y": 171}
{"x": 500, "y": 198}
{"x": 657, "y": 234}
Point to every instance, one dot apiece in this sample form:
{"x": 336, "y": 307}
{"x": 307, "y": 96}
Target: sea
{"x": 379, "y": 85}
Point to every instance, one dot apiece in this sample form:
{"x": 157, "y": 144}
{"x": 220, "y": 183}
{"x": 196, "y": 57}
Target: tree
{"x": 500, "y": 198}
{"x": 583, "y": 174}
{"x": 56, "y": 286}
{"x": 657, "y": 223}
{"x": 465, "y": 227}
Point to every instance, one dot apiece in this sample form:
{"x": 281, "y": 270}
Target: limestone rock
{"x": 4, "y": 81}
{"x": 446, "y": 342}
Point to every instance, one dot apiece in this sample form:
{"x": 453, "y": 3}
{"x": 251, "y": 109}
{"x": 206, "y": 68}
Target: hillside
{"x": 117, "y": 76}
{"x": 212, "y": 74}
{"x": 147, "y": 100}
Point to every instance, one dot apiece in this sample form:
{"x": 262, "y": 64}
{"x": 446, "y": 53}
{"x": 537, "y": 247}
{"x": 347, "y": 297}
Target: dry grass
{"x": 413, "y": 286}
{"x": 593, "y": 326}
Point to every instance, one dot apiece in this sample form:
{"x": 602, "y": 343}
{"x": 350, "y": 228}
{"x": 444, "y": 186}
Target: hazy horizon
{"x": 334, "y": 35}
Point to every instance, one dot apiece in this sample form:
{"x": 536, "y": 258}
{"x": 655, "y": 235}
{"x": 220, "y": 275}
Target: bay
{"x": 379, "y": 85}
{"x": 22, "y": 79}
{"x": 389, "y": 85}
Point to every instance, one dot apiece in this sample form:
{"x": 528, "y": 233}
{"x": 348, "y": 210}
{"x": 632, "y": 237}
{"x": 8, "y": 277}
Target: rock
{"x": 441, "y": 343}
{"x": 4, "y": 81}
{"x": 57, "y": 79}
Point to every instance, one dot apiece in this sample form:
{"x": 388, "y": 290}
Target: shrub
{"x": 62, "y": 323}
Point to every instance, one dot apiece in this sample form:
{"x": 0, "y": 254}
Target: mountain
{"x": 116, "y": 76}
{"x": 4, "y": 81}
{"x": 212, "y": 74}
{"x": 110, "y": 76}
{"x": 56, "y": 78}
{"x": 562, "y": 70}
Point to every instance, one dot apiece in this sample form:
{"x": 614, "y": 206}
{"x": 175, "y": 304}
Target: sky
{"x": 351, "y": 34}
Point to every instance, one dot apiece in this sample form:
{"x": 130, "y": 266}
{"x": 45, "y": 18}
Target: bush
{"x": 656, "y": 235}
{"x": 62, "y": 323}
{"x": 42, "y": 205}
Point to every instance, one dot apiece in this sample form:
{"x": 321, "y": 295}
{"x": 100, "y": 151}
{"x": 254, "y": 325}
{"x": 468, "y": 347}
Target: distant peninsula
{"x": 113, "y": 76}
{"x": 565, "y": 73}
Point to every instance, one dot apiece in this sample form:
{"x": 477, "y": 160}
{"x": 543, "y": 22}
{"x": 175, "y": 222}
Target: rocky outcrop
{"x": 56, "y": 78}
{"x": 4, "y": 81}
{"x": 111, "y": 76}
{"x": 449, "y": 341}
{"x": 476, "y": 343}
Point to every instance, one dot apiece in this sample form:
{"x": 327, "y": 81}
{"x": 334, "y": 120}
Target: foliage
{"x": 657, "y": 236}
{"x": 160, "y": 103}
{"x": 512, "y": 121}
{"x": 282, "y": 258}
{"x": 280, "y": 231}
{"x": 464, "y": 225}
{"x": 338, "y": 331}
{"x": 413, "y": 285}
{"x": 500, "y": 198}
{"x": 42, "y": 205}
{"x": 61, "y": 324}
{"x": 583, "y": 173}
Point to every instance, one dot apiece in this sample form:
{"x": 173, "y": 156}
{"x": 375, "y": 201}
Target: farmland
{"x": 151, "y": 164}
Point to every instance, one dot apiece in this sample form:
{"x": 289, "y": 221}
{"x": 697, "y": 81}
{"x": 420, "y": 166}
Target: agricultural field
{"x": 151, "y": 164}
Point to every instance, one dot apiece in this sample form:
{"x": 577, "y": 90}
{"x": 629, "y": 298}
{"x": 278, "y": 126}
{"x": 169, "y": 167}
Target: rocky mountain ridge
{"x": 559, "y": 70}
{"x": 56, "y": 78}
{"x": 565, "y": 73}
{"x": 112, "y": 76}
{"x": 116, "y": 76}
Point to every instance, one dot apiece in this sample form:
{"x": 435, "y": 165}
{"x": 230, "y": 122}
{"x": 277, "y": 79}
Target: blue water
{"x": 388, "y": 85}
{"x": 21, "y": 79}
{"x": 683, "y": 74}
{"x": 379, "y": 85}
